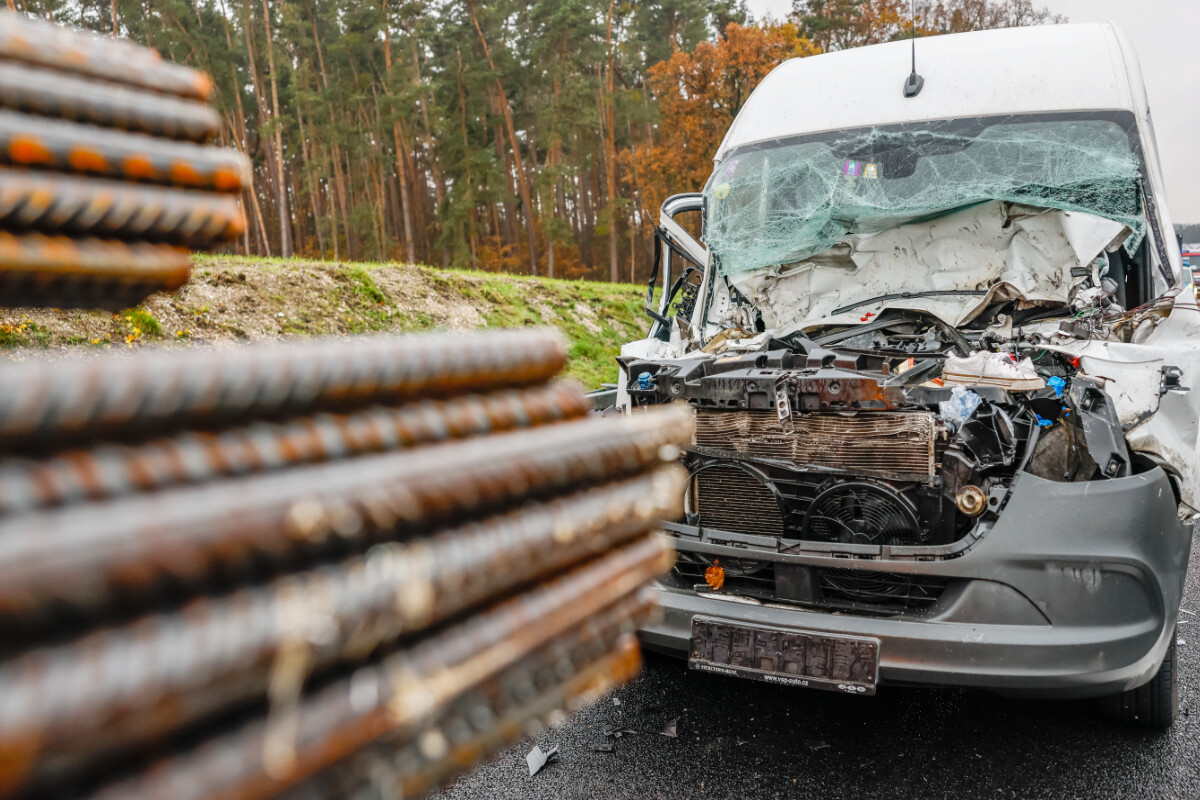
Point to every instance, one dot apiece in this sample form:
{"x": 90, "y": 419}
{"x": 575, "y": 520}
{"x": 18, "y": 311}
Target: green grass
{"x": 504, "y": 301}
{"x": 142, "y": 323}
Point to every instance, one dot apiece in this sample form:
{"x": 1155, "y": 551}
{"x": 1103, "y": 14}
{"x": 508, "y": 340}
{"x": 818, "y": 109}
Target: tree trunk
{"x": 610, "y": 155}
{"x": 472, "y": 220}
{"x": 285, "y": 217}
{"x": 518, "y": 162}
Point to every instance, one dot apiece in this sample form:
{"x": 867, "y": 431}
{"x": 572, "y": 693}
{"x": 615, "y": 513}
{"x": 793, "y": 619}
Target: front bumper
{"x": 1073, "y": 593}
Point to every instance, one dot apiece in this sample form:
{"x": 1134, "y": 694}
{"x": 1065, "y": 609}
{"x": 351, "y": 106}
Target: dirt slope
{"x": 236, "y": 299}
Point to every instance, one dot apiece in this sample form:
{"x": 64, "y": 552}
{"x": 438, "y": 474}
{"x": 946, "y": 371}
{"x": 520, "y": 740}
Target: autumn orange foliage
{"x": 698, "y": 94}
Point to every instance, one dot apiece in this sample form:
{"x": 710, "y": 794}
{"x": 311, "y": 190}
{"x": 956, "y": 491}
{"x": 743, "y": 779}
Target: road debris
{"x": 536, "y": 759}
{"x": 613, "y": 732}
{"x": 816, "y": 744}
{"x": 669, "y": 730}
{"x": 603, "y": 748}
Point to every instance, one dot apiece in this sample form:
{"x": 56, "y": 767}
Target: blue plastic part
{"x": 1057, "y": 384}
{"x": 644, "y": 381}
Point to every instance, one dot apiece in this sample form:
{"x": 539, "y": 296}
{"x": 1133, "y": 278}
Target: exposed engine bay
{"x": 833, "y": 426}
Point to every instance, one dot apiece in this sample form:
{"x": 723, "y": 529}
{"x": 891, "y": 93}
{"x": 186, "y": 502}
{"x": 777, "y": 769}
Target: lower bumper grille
{"x": 881, "y": 589}
{"x": 832, "y": 588}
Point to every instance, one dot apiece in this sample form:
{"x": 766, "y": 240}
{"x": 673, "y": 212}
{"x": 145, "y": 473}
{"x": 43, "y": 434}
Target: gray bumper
{"x": 1073, "y": 593}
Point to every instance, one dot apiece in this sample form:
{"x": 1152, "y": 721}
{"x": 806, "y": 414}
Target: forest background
{"x": 524, "y": 136}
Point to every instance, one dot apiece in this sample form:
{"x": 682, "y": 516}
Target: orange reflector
{"x": 714, "y": 576}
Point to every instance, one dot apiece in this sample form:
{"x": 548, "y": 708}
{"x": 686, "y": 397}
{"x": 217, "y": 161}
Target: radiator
{"x": 884, "y": 444}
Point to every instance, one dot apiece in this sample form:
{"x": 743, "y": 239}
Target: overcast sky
{"x": 1166, "y": 36}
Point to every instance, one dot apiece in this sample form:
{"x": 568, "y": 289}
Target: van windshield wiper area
{"x": 907, "y": 295}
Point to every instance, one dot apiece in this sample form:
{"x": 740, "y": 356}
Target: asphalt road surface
{"x": 743, "y": 739}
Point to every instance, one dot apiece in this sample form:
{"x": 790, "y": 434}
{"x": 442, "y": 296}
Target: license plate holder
{"x": 829, "y": 661}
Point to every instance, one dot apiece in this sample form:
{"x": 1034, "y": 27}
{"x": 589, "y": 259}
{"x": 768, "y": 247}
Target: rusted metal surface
{"x": 85, "y": 556}
{"x": 410, "y": 689}
{"x": 252, "y": 564}
{"x": 883, "y": 444}
{"x": 50, "y": 93}
{"x": 108, "y": 471}
{"x": 414, "y": 768}
{"x": 32, "y": 141}
{"x": 47, "y": 403}
{"x": 52, "y": 203}
{"x": 40, "y": 270}
{"x": 35, "y": 42}
{"x": 129, "y": 686}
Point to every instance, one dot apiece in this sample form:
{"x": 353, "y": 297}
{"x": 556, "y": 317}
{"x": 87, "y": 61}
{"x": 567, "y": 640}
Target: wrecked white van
{"x": 941, "y": 351}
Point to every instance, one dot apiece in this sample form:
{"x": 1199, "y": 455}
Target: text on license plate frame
{"x": 812, "y": 659}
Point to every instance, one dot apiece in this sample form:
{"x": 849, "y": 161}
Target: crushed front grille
{"x": 897, "y": 444}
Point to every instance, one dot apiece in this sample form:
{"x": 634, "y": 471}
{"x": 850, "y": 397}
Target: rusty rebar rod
{"x": 84, "y": 555}
{"x": 408, "y": 691}
{"x": 113, "y": 397}
{"x": 40, "y": 270}
{"x": 31, "y": 141}
{"x": 472, "y": 729}
{"x": 52, "y": 203}
{"x": 108, "y": 471}
{"x": 51, "y": 93}
{"x": 36, "y": 42}
{"x": 125, "y": 687}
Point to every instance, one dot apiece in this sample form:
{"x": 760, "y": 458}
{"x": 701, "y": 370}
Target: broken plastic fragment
{"x": 816, "y": 744}
{"x": 669, "y": 730}
{"x": 1057, "y": 384}
{"x": 613, "y": 732}
{"x": 536, "y": 759}
{"x": 603, "y": 748}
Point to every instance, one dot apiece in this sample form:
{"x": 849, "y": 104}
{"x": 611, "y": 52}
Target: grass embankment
{"x": 233, "y": 298}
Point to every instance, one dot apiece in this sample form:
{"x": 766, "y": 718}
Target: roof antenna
{"x": 914, "y": 83}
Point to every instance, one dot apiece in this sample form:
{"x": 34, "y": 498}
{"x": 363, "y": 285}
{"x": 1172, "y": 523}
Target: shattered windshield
{"x": 780, "y": 203}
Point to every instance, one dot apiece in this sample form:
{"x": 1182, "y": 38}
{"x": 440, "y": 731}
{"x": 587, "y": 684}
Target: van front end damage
{"x": 1030, "y": 542}
{"x": 943, "y": 358}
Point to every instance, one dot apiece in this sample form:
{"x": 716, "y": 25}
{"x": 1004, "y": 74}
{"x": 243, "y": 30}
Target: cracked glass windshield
{"x": 780, "y": 203}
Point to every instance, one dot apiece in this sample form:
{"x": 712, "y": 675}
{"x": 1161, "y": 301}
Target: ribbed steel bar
{"x": 86, "y": 555}
{"x": 409, "y": 690}
{"x": 415, "y": 768}
{"x": 196, "y": 457}
{"x": 35, "y": 42}
{"x": 58, "y": 272}
{"x": 126, "y": 687}
{"x": 116, "y": 396}
{"x": 31, "y": 141}
{"x": 51, "y": 203}
{"x": 53, "y": 94}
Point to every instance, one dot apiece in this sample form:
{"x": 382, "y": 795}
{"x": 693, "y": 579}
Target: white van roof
{"x": 1010, "y": 71}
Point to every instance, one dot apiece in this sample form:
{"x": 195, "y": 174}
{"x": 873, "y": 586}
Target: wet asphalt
{"x": 743, "y": 739}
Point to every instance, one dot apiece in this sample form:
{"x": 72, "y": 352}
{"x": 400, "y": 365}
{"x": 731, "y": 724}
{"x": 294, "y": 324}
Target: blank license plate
{"x": 794, "y": 658}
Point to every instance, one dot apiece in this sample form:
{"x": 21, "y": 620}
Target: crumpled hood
{"x": 996, "y": 250}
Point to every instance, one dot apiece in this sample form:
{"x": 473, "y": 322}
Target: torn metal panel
{"x": 988, "y": 252}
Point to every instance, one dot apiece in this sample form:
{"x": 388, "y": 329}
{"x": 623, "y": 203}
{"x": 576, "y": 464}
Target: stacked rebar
{"x": 223, "y": 573}
{"x": 105, "y": 178}
{"x": 230, "y": 574}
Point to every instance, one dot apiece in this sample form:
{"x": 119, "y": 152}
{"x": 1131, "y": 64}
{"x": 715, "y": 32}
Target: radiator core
{"x": 883, "y": 444}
